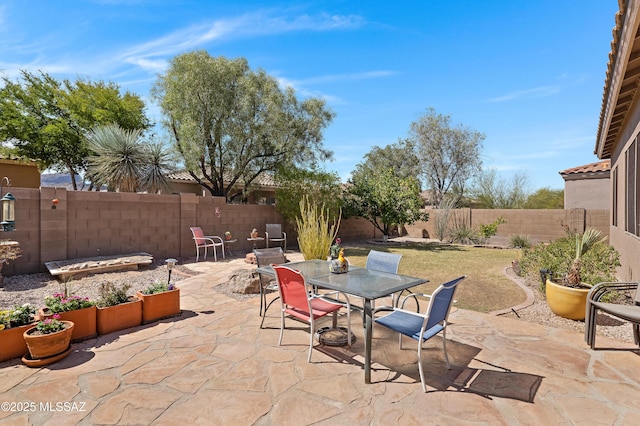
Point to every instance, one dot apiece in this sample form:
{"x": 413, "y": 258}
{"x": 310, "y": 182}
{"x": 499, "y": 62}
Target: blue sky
{"x": 529, "y": 74}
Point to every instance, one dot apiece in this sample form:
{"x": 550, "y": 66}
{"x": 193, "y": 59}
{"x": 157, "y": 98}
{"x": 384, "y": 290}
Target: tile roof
{"x": 263, "y": 180}
{"x": 599, "y": 167}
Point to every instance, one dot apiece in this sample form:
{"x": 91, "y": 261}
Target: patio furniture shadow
{"x": 496, "y": 381}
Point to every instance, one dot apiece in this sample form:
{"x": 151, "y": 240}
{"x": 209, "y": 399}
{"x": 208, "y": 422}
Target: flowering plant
{"x": 50, "y": 325}
{"x": 158, "y": 287}
{"x": 20, "y": 315}
{"x": 334, "y": 250}
{"x": 59, "y": 302}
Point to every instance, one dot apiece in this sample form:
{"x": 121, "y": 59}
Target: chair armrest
{"x": 266, "y": 235}
{"x": 284, "y": 235}
{"x": 329, "y": 299}
{"x": 404, "y": 299}
{"x": 599, "y": 290}
{"x": 214, "y": 237}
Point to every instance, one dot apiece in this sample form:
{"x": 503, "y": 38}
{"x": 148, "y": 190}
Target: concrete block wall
{"x": 87, "y": 224}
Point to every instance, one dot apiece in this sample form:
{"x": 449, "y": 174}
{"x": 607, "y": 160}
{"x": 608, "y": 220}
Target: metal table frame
{"x": 364, "y": 283}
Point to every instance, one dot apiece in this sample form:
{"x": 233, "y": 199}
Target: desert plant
{"x": 441, "y": 228}
{"x": 598, "y": 264}
{"x": 315, "y": 235}
{"x": 112, "y": 295}
{"x": 584, "y": 243}
{"x": 519, "y": 241}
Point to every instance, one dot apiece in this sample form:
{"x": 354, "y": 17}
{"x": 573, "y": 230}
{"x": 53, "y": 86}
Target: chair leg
{"x": 444, "y": 348}
{"x": 420, "y": 368}
{"x": 281, "y": 327}
{"x": 197, "y": 253}
{"x": 636, "y": 333}
{"x": 311, "y": 332}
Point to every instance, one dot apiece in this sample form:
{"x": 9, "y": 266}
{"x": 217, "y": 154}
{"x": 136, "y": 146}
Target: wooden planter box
{"x": 84, "y": 321}
{"x": 12, "y": 344}
{"x": 119, "y": 317}
{"x": 159, "y": 305}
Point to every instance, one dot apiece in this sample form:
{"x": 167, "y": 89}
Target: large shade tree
{"x": 47, "y": 120}
{"x": 449, "y": 155}
{"x": 319, "y": 186}
{"x": 230, "y": 123}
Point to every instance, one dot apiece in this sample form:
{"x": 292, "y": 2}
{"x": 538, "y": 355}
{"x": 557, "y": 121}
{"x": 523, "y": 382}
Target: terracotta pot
{"x": 12, "y": 344}
{"x": 84, "y": 321}
{"x": 159, "y": 305}
{"x": 46, "y": 345}
{"x": 567, "y": 302}
{"x": 119, "y": 317}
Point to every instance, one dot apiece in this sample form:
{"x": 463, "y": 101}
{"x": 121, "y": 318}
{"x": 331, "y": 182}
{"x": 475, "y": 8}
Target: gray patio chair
{"x": 629, "y": 313}
{"x": 422, "y": 327}
{"x": 275, "y": 234}
{"x": 265, "y": 257}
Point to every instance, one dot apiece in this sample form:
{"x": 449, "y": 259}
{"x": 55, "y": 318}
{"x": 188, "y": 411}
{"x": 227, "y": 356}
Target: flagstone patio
{"x": 214, "y": 365}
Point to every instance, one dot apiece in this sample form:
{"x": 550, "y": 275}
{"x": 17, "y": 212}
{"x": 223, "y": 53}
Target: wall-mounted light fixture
{"x": 8, "y": 208}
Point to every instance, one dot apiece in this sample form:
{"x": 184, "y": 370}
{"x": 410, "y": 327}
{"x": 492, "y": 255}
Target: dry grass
{"x": 486, "y": 288}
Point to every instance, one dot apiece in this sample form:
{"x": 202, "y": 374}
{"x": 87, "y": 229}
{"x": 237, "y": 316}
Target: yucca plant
{"x": 584, "y": 243}
{"x": 315, "y": 235}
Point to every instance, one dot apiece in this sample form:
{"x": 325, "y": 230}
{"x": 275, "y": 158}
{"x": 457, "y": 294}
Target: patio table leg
{"x": 367, "y": 340}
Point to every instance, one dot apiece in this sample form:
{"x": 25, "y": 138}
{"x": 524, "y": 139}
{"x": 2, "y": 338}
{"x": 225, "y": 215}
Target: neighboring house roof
{"x": 184, "y": 176}
{"x": 601, "y": 169}
{"x": 621, "y": 82}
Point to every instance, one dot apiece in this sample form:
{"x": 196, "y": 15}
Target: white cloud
{"x": 536, "y": 92}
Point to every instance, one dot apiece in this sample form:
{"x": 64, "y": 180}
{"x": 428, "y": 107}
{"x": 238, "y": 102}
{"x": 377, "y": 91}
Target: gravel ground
{"x": 34, "y": 288}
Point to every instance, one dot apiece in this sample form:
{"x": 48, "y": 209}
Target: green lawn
{"x": 486, "y": 288}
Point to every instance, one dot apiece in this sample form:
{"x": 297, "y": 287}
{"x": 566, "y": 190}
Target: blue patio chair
{"x": 422, "y": 327}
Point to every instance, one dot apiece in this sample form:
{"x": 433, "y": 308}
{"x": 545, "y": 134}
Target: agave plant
{"x": 589, "y": 238}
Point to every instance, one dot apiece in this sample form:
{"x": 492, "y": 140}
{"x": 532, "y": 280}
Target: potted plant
{"x": 577, "y": 261}
{"x": 116, "y": 310}
{"x": 159, "y": 300}
{"x": 13, "y": 323}
{"x": 49, "y": 340}
{"x": 79, "y": 310}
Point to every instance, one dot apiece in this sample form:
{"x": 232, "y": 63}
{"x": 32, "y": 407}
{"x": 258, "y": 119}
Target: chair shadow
{"x": 492, "y": 382}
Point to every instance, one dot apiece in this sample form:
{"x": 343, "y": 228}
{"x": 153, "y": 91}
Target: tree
{"x": 490, "y": 192}
{"x": 545, "y": 198}
{"x": 124, "y": 162}
{"x": 383, "y": 198}
{"x": 449, "y": 155}
{"x": 294, "y": 184}
{"x": 230, "y": 124}
{"x": 46, "y": 119}
{"x": 400, "y": 156}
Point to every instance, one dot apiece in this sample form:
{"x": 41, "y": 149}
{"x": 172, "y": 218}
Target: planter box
{"x": 119, "y": 317}
{"x": 159, "y": 305}
{"x": 567, "y": 302}
{"x": 12, "y": 344}
{"x": 84, "y": 321}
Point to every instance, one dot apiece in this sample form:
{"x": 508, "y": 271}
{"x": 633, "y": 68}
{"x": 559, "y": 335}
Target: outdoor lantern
{"x": 8, "y": 212}
{"x": 170, "y": 264}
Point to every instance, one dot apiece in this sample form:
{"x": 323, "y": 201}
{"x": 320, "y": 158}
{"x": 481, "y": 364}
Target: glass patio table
{"x": 364, "y": 283}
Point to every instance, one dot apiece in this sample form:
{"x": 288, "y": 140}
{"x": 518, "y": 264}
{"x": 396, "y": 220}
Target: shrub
{"x": 488, "y": 231}
{"x": 520, "y": 241}
{"x": 462, "y": 233}
{"x": 112, "y": 295}
{"x": 158, "y": 287}
{"x": 598, "y": 264}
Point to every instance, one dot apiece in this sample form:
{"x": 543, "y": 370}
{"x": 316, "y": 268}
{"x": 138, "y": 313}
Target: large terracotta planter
{"x": 159, "y": 305}
{"x": 84, "y": 321}
{"x": 12, "y": 344}
{"x": 119, "y": 317}
{"x": 567, "y": 302}
{"x": 48, "y": 345}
